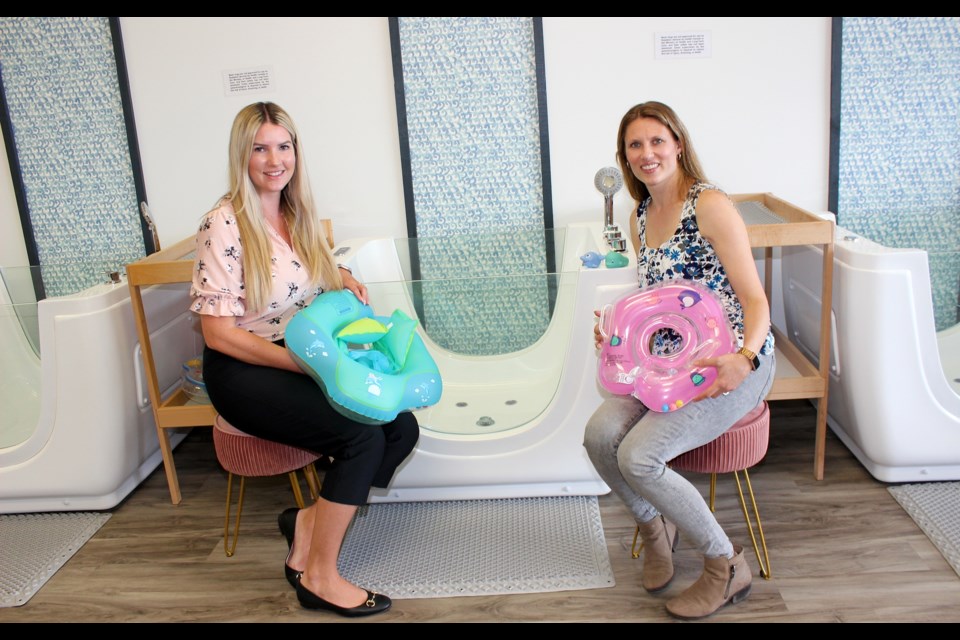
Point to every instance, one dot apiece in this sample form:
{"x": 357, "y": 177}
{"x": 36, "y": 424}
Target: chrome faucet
{"x": 608, "y": 181}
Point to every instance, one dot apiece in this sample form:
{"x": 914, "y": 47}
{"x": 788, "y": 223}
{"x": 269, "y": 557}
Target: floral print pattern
{"x": 688, "y": 255}
{"x": 218, "y": 277}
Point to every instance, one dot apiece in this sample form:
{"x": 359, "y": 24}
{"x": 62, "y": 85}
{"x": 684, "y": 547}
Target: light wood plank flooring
{"x": 842, "y": 550}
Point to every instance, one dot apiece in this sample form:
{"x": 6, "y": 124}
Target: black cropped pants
{"x": 291, "y": 408}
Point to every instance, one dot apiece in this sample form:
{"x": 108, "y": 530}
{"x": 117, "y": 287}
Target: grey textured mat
{"x": 935, "y": 507}
{"x": 477, "y": 547}
{"x": 33, "y": 546}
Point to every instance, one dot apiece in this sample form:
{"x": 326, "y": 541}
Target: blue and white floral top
{"x": 688, "y": 255}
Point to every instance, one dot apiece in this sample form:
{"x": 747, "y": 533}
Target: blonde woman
{"x": 261, "y": 257}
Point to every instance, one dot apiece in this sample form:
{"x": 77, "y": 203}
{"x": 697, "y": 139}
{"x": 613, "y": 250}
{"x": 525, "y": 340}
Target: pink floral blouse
{"x": 218, "y": 277}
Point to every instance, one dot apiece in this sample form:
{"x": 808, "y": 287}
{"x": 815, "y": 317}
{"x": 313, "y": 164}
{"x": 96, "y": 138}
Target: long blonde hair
{"x": 296, "y": 207}
{"x": 689, "y": 163}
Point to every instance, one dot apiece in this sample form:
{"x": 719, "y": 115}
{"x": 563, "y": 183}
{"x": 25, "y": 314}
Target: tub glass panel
{"x": 945, "y": 285}
{"x": 19, "y": 375}
{"x": 20, "y": 305}
{"x": 496, "y": 320}
{"x": 484, "y": 294}
{"x": 19, "y": 358}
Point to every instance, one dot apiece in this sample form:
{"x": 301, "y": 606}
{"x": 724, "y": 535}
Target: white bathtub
{"x": 78, "y": 430}
{"x": 894, "y": 396}
{"x": 534, "y": 402}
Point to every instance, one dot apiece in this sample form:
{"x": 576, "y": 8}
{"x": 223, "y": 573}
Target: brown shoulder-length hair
{"x": 296, "y": 204}
{"x": 689, "y": 162}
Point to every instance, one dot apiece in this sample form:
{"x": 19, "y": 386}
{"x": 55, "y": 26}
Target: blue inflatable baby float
{"x": 370, "y": 367}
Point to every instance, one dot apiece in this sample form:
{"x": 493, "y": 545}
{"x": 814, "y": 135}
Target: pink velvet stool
{"x": 741, "y": 446}
{"x": 248, "y": 456}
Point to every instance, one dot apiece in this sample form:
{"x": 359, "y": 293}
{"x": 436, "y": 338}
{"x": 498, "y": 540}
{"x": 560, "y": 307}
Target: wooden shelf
{"x": 796, "y": 376}
{"x": 179, "y": 410}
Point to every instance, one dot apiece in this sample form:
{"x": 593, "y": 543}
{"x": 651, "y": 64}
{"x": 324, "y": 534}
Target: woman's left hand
{"x": 358, "y": 288}
{"x": 732, "y": 370}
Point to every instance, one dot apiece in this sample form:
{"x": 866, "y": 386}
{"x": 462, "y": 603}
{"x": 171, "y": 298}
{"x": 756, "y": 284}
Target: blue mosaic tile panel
{"x": 944, "y": 279}
{"x": 61, "y": 87}
{"x": 494, "y": 293}
{"x": 470, "y": 86}
{"x": 899, "y": 169}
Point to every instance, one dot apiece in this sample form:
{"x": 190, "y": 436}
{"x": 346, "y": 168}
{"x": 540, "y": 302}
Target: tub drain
{"x": 484, "y": 421}
{"x": 510, "y": 402}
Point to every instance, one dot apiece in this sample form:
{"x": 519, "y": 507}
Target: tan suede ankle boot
{"x": 724, "y": 580}
{"x": 659, "y": 541}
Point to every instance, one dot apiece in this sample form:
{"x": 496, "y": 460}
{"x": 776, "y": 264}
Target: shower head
{"x": 608, "y": 181}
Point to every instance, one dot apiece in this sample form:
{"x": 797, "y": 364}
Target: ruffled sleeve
{"x": 217, "y": 288}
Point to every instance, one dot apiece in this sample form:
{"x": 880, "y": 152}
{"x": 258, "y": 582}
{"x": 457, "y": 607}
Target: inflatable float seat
{"x": 370, "y": 367}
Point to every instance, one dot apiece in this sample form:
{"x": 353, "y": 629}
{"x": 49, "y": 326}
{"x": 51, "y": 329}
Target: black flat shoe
{"x": 288, "y": 527}
{"x": 288, "y": 524}
{"x": 376, "y": 602}
{"x": 293, "y": 576}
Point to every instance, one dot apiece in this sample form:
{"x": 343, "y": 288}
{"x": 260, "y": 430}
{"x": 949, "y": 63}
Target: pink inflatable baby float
{"x": 683, "y": 313}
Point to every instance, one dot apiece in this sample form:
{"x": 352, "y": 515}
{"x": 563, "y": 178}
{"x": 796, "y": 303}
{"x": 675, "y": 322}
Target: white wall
{"x": 333, "y": 75}
{"x": 758, "y": 109}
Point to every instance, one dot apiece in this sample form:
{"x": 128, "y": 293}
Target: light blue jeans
{"x": 630, "y": 447}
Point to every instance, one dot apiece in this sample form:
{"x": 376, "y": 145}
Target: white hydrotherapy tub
{"x": 508, "y": 424}
{"x": 894, "y": 397}
{"x": 76, "y": 431}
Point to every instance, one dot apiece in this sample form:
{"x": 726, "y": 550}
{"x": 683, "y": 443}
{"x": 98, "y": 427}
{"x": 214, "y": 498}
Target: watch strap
{"x": 751, "y": 356}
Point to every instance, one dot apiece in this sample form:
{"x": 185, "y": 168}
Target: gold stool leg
{"x": 313, "y": 481}
{"x": 764, "y": 559}
{"x": 634, "y": 549}
{"x": 230, "y": 543}
{"x": 295, "y": 484}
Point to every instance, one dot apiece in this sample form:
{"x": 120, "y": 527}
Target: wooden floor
{"x": 842, "y": 550}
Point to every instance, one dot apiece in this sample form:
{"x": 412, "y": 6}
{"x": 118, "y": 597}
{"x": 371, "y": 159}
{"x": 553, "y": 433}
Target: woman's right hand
{"x": 352, "y": 284}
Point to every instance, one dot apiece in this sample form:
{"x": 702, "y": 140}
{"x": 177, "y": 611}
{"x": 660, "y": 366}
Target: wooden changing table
{"x": 796, "y": 375}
